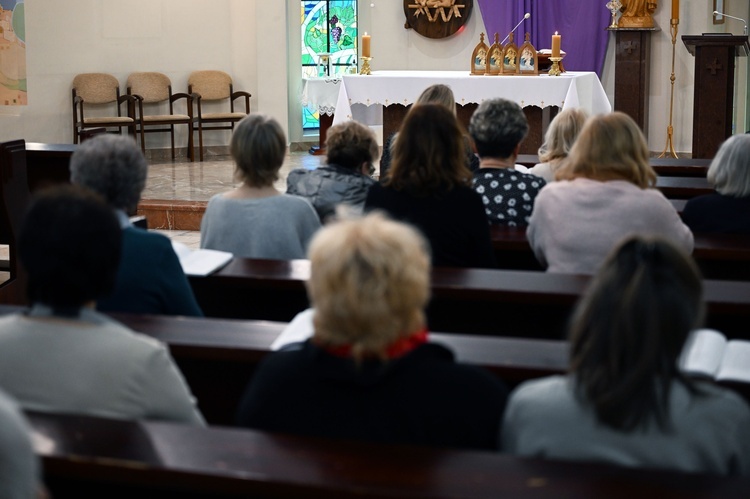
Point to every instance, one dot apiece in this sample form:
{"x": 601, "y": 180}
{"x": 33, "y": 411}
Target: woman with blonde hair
{"x": 559, "y": 139}
{"x": 605, "y": 193}
{"x": 728, "y": 209}
{"x": 430, "y": 187}
{"x": 255, "y": 220}
{"x": 625, "y": 400}
{"x": 369, "y": 372}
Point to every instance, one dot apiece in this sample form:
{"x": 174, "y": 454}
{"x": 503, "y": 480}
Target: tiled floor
{"x": 198, "y": 181}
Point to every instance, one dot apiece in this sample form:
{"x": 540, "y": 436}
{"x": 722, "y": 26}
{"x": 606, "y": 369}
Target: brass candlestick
{"x": 365, "y": 65}
{"x": 554, "y": 70}
{"x": 670, "y": 130}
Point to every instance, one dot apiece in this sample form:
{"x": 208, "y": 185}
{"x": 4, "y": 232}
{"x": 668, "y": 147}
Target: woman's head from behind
{"x": 629, "y": 329}
{"x": 497, "y": 128}
{"x": 70, "y": 245}
{"x": 610, "y": 147}
{"x": 562, "y": 134}
{"x": 429, "y": 154}
{"x": 351, "y": 145}
{"x": 438, "y": 94}
{"x": 258, "y": 147}
{"x": 114, "y": 167}
{"x": 730, "y": 169}
{"x": 369, "y": 283}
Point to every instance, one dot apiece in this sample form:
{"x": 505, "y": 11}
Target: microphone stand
{"x": 526, "y": 16}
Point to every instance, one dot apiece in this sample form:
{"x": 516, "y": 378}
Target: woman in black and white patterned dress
{"x": 497, "y": 127}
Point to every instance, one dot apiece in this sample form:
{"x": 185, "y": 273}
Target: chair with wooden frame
{"x": 152, "y": 89}
{"x": 216, "y": 86}
{"x": 99, "y": 91}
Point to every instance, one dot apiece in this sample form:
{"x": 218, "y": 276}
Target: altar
{"x": 541, "y": 96}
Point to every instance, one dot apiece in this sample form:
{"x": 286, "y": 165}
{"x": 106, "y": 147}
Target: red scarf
{"x": 393, "y": 351}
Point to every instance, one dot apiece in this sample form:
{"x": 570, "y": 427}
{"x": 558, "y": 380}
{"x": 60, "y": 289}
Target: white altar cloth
{"x": 569, "y": 90}
{"x": 320, "y": 94}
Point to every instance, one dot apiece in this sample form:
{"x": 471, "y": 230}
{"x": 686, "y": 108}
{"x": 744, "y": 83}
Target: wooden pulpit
{"x": 714, "y": 88}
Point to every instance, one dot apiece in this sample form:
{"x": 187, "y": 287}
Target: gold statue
{"x": 637, "y": 13}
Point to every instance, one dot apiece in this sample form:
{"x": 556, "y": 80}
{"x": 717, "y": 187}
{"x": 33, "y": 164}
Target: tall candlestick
{"x": 365, "y": 45}
{"x": 675, "y": 9}
{"x": 556, "y": 39}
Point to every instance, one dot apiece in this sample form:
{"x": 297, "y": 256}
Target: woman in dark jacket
{"x": 345, "y": 179}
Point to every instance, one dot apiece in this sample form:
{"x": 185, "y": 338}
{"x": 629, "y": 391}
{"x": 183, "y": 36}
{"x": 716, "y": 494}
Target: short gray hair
{"x": 112, "y": 166}
{"x": 730, "y": 170}
{"x": 497, "y": 127}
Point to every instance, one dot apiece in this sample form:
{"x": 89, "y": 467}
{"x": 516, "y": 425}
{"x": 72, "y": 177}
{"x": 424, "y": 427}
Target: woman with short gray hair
{"x": 728, "y": 209}
{"x": 498, "y": 127}
{"x": 150, "y": 279}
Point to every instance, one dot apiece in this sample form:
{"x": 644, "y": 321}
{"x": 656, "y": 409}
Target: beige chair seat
{"x": 110, "y": 119}
{"x": 223, "y": 116}
{"x": 166, "y": 117}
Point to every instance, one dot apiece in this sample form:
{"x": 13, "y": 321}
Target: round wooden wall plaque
{"x": 437, "y": 18}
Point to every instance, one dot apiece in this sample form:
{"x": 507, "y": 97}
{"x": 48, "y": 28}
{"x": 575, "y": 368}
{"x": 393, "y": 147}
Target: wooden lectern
{"x": 714, "y": 88}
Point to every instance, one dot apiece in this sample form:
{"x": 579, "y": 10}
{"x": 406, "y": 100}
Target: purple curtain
{"x": 582, "y": 24}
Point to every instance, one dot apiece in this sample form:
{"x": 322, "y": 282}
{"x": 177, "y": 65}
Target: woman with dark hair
{"x": 63, "y": 356}
{"x": 441, "y": 95}
{"x": 345, "y": 179}
{"x": 430, "y": 187}
{"x": 625, "y": 401}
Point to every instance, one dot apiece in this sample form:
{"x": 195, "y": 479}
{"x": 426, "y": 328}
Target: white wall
{"x": 258, "y": 42}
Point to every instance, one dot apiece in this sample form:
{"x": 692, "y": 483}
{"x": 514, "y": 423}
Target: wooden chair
{"x": 100, "y": 91}
{"x": 215, "y": 86}
{"x": 152, "y": 89}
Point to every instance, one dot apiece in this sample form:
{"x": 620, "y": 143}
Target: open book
{"x": 708, "y": 353}
{"x": 200, "y": 262}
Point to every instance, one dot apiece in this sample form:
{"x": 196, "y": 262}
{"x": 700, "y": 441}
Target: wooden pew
{"x": 683, "y": 187}
{"x": 219, "y": 356}
{"x": 474, "y": 301}
{"x": 667, "y": 167}
{"x": 48, "y": 164}
{"x": 14, "y": 199}
{"x": 719, "y": 256}
{"x": 96, "y": 457}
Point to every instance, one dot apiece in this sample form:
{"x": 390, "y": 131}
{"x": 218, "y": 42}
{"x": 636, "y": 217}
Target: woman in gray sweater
{"x": 255, "y": 220}
{"x": 625, "y": 400}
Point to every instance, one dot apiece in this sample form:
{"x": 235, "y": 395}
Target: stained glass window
{"x": 328, "y": 27}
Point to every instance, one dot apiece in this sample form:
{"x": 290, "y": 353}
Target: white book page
{"x": 300, "y": 329}
{"x": 736, "y": 363}
{"x": 703, "y": 352}
{"x": 200, "y": 262}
